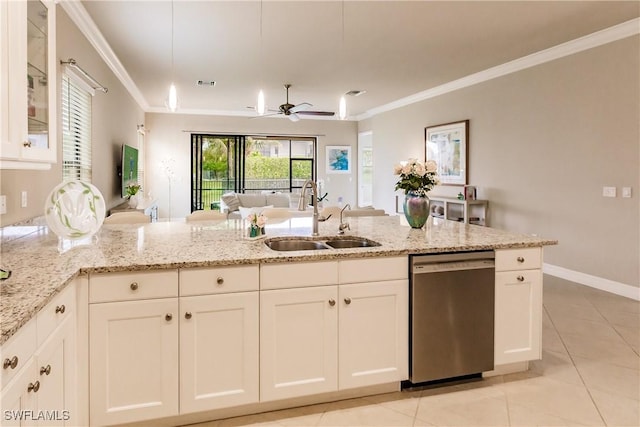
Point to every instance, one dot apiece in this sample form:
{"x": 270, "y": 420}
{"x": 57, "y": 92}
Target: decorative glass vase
{"x": 416, "y": 209}
{"x": 133, "y": 201}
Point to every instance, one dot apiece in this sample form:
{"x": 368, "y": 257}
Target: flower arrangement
{"x": 416, "y": 177}
{"x": 256, "y": 224}
{"x": 132, "y": 189}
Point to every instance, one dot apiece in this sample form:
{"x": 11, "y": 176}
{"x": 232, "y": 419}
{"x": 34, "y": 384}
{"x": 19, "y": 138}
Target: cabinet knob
{"x": 347, "y": 300}
{"x": 34, "y": 387}
{"x": 26, "y": 144}
{"x": 10, "y": 363}
{"x": 168, "y": 317}
{"x": 520, "y": 259}
{"x": 60, "y": 309}
{"x": 134, "y": 286}
{"x": 187, "y": 315}
{"x": 332, "y": 302}
{"x": 219, "y": 280}
{"x": 45, "y": 370}
{"x": 520, "y": 278}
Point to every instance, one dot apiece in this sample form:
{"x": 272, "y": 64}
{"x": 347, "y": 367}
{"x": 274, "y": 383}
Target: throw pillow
{"x": 231, "y": 200}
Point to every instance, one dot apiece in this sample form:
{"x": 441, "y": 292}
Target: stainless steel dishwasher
{"x": 452, "y": 303}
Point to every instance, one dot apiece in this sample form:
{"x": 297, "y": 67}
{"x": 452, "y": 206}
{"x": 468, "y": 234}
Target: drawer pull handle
{"x": 520, "y": 259}
{"x": 187, "y": 315}
{"x": 520, "y": 278}
{"x": 45, "y": 370}
{"x": 60, "y": 309}
{"x": 168, "y": 317}
{"x": 332, "y": 302}
{"x": 134, "y": 286}
{"x": 219, "y": 280}
{"x": 34, "y": 387}
{"x": 347, "y": 300}
{"x": 26, "y": 144}
{"x": 10, "y": 363}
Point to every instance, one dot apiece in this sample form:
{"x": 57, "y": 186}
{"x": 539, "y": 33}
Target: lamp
{"x": 261, "y": 107}
{"x": 342, "y": 106}
{"x": 172, "y": 101}
{"x": 342, "y": 109}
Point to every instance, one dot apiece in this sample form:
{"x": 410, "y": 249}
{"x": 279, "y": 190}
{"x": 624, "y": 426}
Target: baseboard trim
{"x": 601, "y": 283}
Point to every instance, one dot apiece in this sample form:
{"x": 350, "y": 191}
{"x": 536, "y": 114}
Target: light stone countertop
{"x": 41, "y": 267}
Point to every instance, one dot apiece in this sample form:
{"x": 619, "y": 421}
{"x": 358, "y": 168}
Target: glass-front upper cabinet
{"x": 29, "y": 133}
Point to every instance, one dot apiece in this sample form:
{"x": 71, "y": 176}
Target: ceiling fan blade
{"x": 300, "y": 107}
{"x": 317, "y": 113}
{"x": 293, "y": 117}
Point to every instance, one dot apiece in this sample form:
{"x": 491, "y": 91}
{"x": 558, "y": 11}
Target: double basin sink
{"x": 303, "y": 244}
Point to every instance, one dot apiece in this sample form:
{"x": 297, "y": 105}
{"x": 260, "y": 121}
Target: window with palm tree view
{"x": 248, "y": 164}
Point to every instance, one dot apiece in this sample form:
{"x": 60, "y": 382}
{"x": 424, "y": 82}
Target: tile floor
{"x": 589, "y": 375}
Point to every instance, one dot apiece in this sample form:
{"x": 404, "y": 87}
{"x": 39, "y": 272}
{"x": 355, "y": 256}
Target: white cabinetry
{"x": 324, "y": 334}
{"x": 28, "y": 84}
{"x": 219, "y": 338}
{"x": 133, "y": 347}
{"x": 39, "y": 384}
{"x": 518, "y": 308}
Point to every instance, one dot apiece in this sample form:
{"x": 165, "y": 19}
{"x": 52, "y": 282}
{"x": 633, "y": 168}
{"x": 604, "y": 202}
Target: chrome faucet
{"x": 344, "y": 225}
{"x": 314, "y": 202}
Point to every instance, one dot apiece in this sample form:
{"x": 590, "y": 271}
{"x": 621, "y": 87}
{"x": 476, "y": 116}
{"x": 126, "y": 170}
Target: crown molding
{"x": 87, "y": 26}
{"x": 599, "y": 38}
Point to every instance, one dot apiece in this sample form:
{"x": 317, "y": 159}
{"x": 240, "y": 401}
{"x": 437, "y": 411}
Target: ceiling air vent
{"x": 355, "y": 92}
{"x": 209, "y": 83}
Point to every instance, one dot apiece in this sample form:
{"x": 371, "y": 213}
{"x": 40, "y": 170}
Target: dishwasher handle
{"x": 437, "y": 267}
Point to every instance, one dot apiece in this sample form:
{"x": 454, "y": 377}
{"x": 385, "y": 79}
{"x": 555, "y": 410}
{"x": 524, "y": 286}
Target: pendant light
{"x": 261, "y": 107}
{"x": 172, "y": 101}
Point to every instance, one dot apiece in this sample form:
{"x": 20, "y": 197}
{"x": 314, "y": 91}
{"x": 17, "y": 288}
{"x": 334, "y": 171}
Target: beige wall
{"x": 543, "y": 143}
{"x": 169, "y": 137}
{"x": 115, "y": 116}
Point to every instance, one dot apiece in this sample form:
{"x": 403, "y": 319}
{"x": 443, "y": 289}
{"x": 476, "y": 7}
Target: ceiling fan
{"x": 294, "y": 111}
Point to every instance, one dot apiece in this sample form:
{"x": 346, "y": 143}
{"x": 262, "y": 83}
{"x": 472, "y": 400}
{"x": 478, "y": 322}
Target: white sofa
{"x": 231, "y": 202}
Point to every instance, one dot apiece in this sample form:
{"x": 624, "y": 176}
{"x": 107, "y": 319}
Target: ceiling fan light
{"x": 261, "y": 107}
{"x": 172, "y": 100}
{"x": 342, "y": 109}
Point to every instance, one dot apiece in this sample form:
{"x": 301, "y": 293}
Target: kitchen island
{"x": 172, "y": 253}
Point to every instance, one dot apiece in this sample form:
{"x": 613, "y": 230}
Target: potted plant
{"x": 416, "y": 179}
{"x": 131, "y": 194}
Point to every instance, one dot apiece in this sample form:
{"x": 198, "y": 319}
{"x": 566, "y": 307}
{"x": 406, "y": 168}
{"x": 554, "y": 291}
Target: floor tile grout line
{"x": 586, "y": 387}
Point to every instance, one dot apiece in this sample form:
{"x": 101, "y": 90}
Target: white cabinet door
{"x": 373, "y": 331}
{"x": 19, "y": 397}
{"x": 298, "y": 342}
{"x": 134, "y": 360}
{"x": 518, "y": 321}
{"x": 56, "y": 373}
{"x": 219, "y": 339}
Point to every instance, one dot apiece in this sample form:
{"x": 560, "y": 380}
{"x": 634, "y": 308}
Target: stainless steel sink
{"x": 301, "y": 244}
{"x": 295, "y": 245}
{"x": 355, "y": 242}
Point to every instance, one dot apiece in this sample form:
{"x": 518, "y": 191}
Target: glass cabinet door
{"x": 37, "y": 74}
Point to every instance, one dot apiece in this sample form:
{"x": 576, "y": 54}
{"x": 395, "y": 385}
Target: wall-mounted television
{"x": 129, "y": 167}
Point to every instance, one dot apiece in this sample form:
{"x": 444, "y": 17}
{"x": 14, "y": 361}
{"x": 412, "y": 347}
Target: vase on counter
{"x": 133, "y": 201}
{"x": 416, "y": 209}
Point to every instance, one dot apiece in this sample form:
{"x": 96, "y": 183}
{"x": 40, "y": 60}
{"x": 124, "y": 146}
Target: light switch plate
{"x": 3, "y": 205}
{"x": 626, "y": 192}
{"x": 23, "y": 202}
{"x": 608, "y": 191}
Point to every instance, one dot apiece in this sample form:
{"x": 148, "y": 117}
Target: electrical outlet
{"x": 24, "y": 199}
{"x": 3, "y": 205}
{"x": 608, "y": 191}
{"x": 626, "y": 192}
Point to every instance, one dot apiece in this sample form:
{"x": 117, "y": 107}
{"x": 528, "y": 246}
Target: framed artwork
{"x": 338, "y": 159}
{"x": 448, "y": 146}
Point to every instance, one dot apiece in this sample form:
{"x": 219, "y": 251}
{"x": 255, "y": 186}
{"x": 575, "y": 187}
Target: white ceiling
{"x": 391, "y": 49}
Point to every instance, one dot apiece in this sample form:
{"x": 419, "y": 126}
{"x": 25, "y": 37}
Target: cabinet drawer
{"x": 60, "y": 308}
{"x": 133, "y": 286}
{"x": 518, "y": 259}
{"x": 17, "y": 351}
{"x": 298, "y": 275}
{"x": 219, "y": 280}
{"x": 373, "y": 269}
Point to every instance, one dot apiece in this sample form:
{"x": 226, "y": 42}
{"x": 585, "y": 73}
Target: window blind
{"x": 76, "y": 131}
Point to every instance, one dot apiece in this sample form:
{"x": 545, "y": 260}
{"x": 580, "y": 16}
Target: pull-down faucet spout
{"x": 314, "y": 202}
